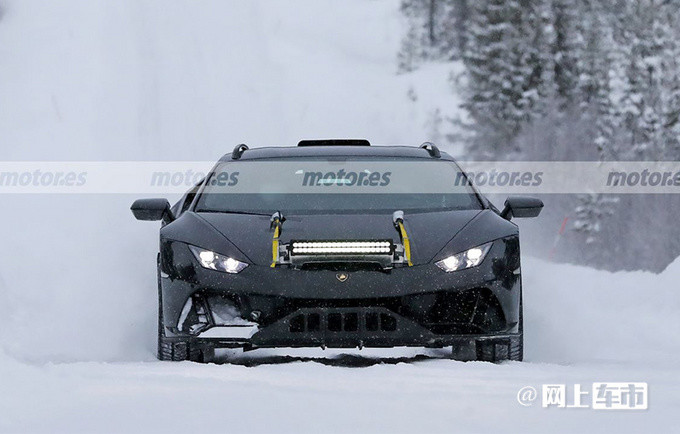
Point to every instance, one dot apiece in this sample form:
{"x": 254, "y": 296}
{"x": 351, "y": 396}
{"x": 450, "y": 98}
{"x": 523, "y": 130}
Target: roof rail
{"x": 432, "y": 149}
{"x": 335, "y": 142}
{"x": 238, "y": 151}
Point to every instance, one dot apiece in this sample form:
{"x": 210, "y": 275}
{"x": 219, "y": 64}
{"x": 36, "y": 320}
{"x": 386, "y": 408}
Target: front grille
{"x": 471, "y": 311}
{"x": 338, "y": 322}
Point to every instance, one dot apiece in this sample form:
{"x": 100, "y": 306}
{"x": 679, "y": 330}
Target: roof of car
{"x": 398, "y": 151}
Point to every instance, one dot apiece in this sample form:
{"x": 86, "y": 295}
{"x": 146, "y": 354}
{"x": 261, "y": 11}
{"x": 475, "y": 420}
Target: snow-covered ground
{"x": 583, "y": 326}
{"x": 125, "y": 80}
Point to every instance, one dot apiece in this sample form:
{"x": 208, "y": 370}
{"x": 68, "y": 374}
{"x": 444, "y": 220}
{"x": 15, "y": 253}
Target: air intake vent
{"x": 343, "y": 321}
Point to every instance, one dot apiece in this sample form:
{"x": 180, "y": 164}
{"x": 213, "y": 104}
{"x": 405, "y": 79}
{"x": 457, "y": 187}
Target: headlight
{"x": 215, "y": 261}
{"x": 467, "y": 259}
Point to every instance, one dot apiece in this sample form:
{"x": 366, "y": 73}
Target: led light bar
{"x": 370, "y": 247}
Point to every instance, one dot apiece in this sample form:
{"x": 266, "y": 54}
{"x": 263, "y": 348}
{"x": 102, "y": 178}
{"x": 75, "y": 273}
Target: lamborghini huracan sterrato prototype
{"x": 339, "y": 244}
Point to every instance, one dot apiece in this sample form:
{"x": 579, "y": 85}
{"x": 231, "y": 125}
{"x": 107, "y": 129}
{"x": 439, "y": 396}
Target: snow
{"x": 129, "y": 79}
{"x": 125, "y": 80}
{"x": 582, "y": 326}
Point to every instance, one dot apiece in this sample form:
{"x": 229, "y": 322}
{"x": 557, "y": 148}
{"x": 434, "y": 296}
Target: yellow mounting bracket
{"x": 276, "y": 222}
{"x": 398, "y": 220}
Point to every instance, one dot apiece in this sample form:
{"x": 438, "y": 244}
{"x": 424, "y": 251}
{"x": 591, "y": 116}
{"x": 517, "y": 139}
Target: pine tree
{"x": 595, "y": 63}
{"x": 670, "y": 67}
{"x": 590, "y": 214}
{"x": 456, "y": 25}
{"x": 430, "y": 34}
{"x": 565, "y": 51}
{"x": 640, "y": 104}
{"x": 497, "y": 71}
{"x": 537, "y": 39}
{"x": 410, "y": 55}
{"x": 412, "y": 52}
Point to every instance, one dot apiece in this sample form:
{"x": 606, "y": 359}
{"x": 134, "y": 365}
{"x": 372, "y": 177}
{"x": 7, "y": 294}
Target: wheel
{"x": 464, "y": 351}
{"x": 518, "y": 353}
{"x": 176, "y": 349}
{"x": 494, "y": 350}
{"x": 497, "y": 350}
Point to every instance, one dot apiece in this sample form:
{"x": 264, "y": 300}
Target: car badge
{"x": 342, "y": 276}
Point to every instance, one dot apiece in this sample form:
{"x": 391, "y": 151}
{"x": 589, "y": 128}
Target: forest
{"x": 566, "y": 80}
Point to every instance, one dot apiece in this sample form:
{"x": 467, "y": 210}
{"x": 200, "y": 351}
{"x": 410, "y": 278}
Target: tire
{"x": 176, "y": 349}
{"x": 498, "y": 350}
{"x": 517, "y": 352}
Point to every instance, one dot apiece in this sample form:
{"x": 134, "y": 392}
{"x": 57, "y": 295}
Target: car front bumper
{"x": 287, "y": 307}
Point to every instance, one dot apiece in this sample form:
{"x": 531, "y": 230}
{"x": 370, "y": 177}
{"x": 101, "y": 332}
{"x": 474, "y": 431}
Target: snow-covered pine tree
{"x": 640, "y": 102}
{"x": 595, "y": 63}
{"x": 538, "y": 37}
{"x": 566, "y": 50}
{"x": 432, "y": 31}
{"x": 498, "y": 70}
{"x": 456, "y": 27}
{"x": 670, "y": 81}
{"x": 412, "y": 52}
{"x": 593, "y": 46}
{"x": 590, "y": 214}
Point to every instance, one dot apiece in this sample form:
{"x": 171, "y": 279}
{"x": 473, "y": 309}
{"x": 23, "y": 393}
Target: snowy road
{"x": 590, "y": 339}
{"x": 323, "y": 394}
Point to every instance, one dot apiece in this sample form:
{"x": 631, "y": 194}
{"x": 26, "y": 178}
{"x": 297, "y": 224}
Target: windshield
{"x": 316, "y": 186}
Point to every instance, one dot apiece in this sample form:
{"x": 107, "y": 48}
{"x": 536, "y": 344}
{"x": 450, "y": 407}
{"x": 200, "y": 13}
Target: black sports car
{"x": 336, "y": 243}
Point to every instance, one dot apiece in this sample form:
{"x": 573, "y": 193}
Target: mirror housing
{"x": 152, "y": 210}
{"x": 521, "y": 207}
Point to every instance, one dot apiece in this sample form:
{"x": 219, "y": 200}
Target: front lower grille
{"x": 472, "y": 311}
{"x": 338, "y": 322}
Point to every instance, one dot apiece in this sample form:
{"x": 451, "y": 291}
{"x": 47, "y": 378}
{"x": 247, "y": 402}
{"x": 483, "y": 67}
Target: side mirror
{"x": 521, "y": 206}
{"x": 152, "y": 210}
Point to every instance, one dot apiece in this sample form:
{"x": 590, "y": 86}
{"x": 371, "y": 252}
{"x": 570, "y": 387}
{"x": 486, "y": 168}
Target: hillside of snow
{"x": 159, "y": 80}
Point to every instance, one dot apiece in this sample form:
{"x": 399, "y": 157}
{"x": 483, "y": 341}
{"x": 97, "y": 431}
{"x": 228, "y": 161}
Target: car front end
{"x": 339, "y": 272}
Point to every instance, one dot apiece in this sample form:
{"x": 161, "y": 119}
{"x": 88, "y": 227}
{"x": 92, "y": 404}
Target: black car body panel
{"x": 426, "y": 229}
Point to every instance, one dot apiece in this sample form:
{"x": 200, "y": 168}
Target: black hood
{"x": 428, "y": 232}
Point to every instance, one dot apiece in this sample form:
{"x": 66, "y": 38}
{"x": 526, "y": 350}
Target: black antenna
{"x": 238, "y": 151}
{"x": 432, "y": 149}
